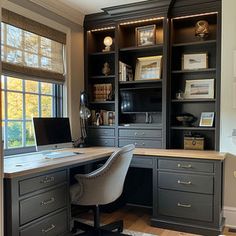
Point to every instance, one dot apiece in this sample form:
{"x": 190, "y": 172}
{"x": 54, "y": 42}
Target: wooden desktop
{"x": 37, "y": 189}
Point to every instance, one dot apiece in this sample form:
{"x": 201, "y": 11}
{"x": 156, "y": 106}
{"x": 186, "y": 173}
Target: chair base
{"x": 114, "y": 228}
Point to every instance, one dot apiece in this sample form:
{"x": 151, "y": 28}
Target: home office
{"x": 166, "y": 52}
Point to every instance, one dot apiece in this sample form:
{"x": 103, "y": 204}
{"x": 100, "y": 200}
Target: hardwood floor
{"x": 137, "y": 219}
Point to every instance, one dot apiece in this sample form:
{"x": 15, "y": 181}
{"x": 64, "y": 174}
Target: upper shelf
{"x": 142, "y": 48}
{"x": 141, "y": 81}
{"x": 203, "y": 42}
{"x": 193, "y": 71}
{"x": 102, "y": 53}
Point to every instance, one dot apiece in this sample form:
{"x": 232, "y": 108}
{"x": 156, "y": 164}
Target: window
{"x": 22, "y": 100}
{"x": 33, "y": 75}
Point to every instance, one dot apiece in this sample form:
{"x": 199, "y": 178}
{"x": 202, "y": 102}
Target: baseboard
{"x": 230, "y": 216}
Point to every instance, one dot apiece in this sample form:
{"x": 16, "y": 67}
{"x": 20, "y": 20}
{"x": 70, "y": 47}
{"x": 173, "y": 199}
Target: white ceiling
{"x": 75, "y": 10}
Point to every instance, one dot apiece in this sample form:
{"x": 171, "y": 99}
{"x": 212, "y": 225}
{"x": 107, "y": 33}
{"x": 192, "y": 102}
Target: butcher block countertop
{"x": 32, "y": 163}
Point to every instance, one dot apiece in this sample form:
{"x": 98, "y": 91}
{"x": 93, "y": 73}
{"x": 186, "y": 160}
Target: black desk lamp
{"x": 84, "y": 115}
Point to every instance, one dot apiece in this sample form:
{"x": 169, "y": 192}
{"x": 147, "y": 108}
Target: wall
{"x": 228, "y": 113}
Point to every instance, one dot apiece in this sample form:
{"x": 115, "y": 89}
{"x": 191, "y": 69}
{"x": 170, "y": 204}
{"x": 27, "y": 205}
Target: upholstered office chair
{"x": 101, "y": 187}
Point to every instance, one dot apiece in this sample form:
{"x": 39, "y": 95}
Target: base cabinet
{"x": 188, "y": 195}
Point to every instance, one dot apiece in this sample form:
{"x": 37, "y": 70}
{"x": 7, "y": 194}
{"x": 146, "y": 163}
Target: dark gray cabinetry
{"x": 188, "y": 195}
{"x": 146, "y": 138}
{"x": 37, "y": 204}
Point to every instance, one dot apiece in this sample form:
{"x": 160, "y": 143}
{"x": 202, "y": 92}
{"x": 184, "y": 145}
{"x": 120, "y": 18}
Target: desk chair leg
{"x": 96, "y": 217}
{"x": 118, "y": 225}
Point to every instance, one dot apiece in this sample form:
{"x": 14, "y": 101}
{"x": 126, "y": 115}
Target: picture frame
{"x": 194, "y": 61}
{"x": 207, "y": 119}
{"x": 199, "y": 89}
{"x": 148, "y": 68}
{"x": 145, "y": 35}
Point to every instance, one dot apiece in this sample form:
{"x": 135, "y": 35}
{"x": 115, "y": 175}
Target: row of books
{"x": 125, "y": 72}
{"x": 102, "y": 117}
{"x": 102, "y": 92}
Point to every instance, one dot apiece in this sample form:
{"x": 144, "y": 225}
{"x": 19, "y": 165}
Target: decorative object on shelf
{"x": 107, "y": 42}
{"x": 207, "y": 119}
{"x": 84, "y": 116}
{"x": 102, "y": 92}
{"x": 198, "y": 89}
{"x": 186, "y": 119}
{"x": 106, "y": 70}
{"x": 146, "y": 35}
{"x": 125, "y": 72}
{"x": 202, "y": 29}
{"x": 193, "y": 142}
{"x": 148, "y": 68}
{"x": 179, "y": 95}
{"x": 99, "y": 119}
{"x": 194, "y": 61}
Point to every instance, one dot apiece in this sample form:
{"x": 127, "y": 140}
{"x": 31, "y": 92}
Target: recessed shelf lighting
{"x": 102, "y": 29}
{"x": 141, "y": 21}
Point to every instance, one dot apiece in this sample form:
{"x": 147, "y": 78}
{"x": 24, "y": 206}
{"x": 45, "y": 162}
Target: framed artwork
{"x": 148, "y": 68}
{"x": 197, "y": 89}
{"x": 194, "y": 61}
{"x": 146, "y": 35}
{"x": 207, "y": 119}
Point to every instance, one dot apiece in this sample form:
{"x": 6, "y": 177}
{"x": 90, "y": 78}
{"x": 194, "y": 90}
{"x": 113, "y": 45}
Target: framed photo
{"x": 197, "y": 89}
{"x": 194, "y": 61}
{"x": 148, "y": 68}
{"x": 146, "y": 35}
{"x": 207, "y": 119}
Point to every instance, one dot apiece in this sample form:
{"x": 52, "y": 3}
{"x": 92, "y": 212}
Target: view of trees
{"x": 23, "y": 99}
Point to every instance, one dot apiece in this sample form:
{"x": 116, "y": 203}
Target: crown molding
{"x": 61, "y": 9}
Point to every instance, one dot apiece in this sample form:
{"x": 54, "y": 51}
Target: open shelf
{"x": 101, "y": 53}
{"x": 193, "y": 71}
{"x": 102, "y": 102}
{"x": 142, "y": 48}
{"x": 206, "y": 42}
{"x": 141, "y": 81}
{"x": 101, "y": 126}
{"x": 193, "y": 128}
{"x": 192, "y": 100}
{"x": 102, "y": 77}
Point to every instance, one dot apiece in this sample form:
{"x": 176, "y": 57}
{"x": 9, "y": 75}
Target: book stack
{"x": 102, "y": 92}
{"x": 125, "y": 72}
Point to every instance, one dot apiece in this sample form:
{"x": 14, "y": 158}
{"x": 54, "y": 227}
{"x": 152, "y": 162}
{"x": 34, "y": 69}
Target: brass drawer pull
{"x": 185, "y": 166}
{"x": 184, "y": 182}
{"x": 47, "y": 180}
{"x": 49, "y": 229}
{"x": 46, "y": 202}
{"x": 184, "y": 205}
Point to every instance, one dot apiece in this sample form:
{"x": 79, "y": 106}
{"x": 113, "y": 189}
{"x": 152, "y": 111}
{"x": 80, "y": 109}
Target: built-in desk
{"x": 187, "y": 190}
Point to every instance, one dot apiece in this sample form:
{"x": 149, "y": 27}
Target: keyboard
{"x": 54, "y": 155}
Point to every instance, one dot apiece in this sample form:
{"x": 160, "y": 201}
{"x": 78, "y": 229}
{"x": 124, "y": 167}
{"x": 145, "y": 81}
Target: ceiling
{"x": 75, "y": 10}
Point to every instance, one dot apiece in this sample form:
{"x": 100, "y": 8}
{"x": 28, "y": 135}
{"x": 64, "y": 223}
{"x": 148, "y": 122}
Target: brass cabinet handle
{"x": 184, "y": 205}
{"x": 135, "y": 134}
{"x": 46, "y": 202}
{"x": 184, "y": 182}
{"x": 184, "y": 166}
{"x": 47, "y": 180}
{"x": 49, "y": 229}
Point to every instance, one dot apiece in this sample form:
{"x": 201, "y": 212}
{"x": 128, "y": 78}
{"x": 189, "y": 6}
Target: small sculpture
{"x": 202, "y": 29}
{"x": 106, "y": 69}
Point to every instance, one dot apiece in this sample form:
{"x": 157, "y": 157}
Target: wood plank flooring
{"x": 137, "y": 219}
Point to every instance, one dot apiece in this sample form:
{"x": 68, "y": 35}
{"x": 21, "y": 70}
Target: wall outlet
{"x": 235, "y": 173}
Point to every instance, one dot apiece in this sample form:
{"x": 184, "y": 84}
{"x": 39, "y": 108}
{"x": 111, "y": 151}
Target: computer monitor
{"x": 52, "y": 133}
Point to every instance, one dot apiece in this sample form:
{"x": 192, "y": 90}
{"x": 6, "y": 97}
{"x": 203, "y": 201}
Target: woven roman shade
{"x": 31, "y": 49}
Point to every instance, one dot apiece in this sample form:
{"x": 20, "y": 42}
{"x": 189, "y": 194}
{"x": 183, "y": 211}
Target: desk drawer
{"x": 139, "y": 161}
{"x": 51, "y": 226}
{"x": 106, "y": 142}
{"x": 42, "y": 204}
{"x": 186, "y": 182}
{"x": 186, "y": 165}
{"x": 40, "y": 182}
{"x": 185, "y": 205}
{"x": 140, "y": 133}
{"x": 98, "y": 132}
{"x": 141, "y": 143}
